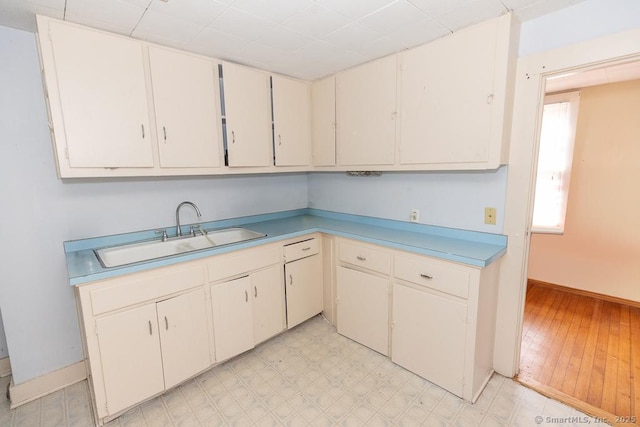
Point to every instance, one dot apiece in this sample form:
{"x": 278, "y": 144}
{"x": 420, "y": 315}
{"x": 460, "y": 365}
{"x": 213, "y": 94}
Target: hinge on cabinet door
{"x": 337, "y": 300}
{"x": 66, "y": 152}
{"x": 95, "y": 328}
{"x": 106, "y": 407}
{"x": 393, "y": 324}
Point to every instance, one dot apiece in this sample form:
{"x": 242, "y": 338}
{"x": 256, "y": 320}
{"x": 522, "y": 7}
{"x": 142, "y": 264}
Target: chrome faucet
{"x": 178, "y": 230}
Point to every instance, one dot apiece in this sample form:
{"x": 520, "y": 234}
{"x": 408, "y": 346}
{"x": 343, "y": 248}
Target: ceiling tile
{"x": 242, "y": 24}
{"x": 216, "y": 44}
{"x": 316, "y": 21}
{"x": 21, "y": 14}
{"x": 90, "y": 12}
{"x": 355, "y": 9}
{"x": 139, "y": 3}
{"x": 352, "y": 36}
{"x": 277, "y": 11}
{"x": 393, "y": 17}
{"x": 435, "y": 8}
{"x": 165, "y": 29}
{"x": 419, "y": 33}
{"x": 284, "y": 38}
{"x": 198, "y": 11}
{"x": 471, "y": 13}
{"x": 542, "y": 7}
{"x": 381, "y": 47}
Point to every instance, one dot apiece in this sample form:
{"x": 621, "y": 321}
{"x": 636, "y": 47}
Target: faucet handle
{"x": 164, "y": 234}
{"x": 192, "y": 230}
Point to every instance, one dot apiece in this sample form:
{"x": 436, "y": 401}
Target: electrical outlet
{"x": 415, "y": 215}
{"x": 490, "y": 216}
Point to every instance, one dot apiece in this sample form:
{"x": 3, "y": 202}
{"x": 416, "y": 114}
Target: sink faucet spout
{"x": 178, "y": 229}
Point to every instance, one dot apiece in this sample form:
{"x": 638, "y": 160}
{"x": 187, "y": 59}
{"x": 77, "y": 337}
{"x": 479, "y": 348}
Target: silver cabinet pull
{"x": 361, "y": 258}
{"x": 233, "y": 137}
{"x": 290, "y": 280}
{"x": 255, "y": 291}
{"x": 142, "y": 127}
{"x": 166, "y": 323}
{"x": 150, "y": 328}
{"x": 426, "y": 276}
{"x": 164, "y": 131}
{"x": 307, "y": 248}
{"x": 279, "y": 139}
{"x": 246, "y": 296}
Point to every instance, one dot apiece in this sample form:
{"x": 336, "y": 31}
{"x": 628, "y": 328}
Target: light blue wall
{"x": 39, "y": 212}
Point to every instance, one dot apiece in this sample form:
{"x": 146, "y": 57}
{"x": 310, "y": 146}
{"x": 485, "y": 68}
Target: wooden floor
{"x": 583, "y": 350}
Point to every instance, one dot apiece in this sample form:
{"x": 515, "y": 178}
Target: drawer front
{"x": 366, "y": 257}
{"x": 302, "y": 249}
{"x": 434, "y": 274}
{"x": 235, "y": 263}
{"x": 126, "y": 291}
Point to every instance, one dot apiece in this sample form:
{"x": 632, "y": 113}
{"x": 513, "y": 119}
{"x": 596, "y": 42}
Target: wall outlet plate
{"x": 415, "y": 215}
{"x": 490, "y": 216}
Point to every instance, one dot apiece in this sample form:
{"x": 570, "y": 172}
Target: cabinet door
{"x": 130, "y": 354}
{"x": 103, "y": 97}
{"x": 269, "y": 316}
{"x": 247, "y": 109}
{"x": 185, "y": 342}
{"x": 323, "y": 122}
{"x": 304, "y": 289}
{"x": 232, "y": 318}
{"x": 184, "y": 98}
{"x": 363, "y": 308}
{"x": 366, "y": 113}
{"x": 428, "y": 336}
{"x": 447, "y": 97}
{"x": 291, "y": 121}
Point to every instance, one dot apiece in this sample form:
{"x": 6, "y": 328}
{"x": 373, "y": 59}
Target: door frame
{"x": 531, "y": 74}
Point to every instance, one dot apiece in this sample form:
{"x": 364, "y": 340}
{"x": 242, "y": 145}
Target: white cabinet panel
{"x": 429, "y": 336}
{"x": 184, "y": 97}
{"x": 269, "y": 315}
{"x": 247, "y": 100}
{"x": 363, "y": 308}
{"x": 103, "y": 98}
{"x": 452, "y": 97}
{"x": 232, "y": 317}
{"x": 323, "y": 121}
{"x": 291, "y": 121}
{"x": 185, "y": 341}
{"x": 304, "y": 289}
{"x": 366, "y": 113}
{"x": 130, "y": 356}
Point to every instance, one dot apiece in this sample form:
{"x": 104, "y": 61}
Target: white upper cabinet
{"x": 453, "y": 98}
{"x": 247, "y": 110}
{"x": 185, "y": 104}
{"x": 291, "y": 121}
{"x": 103, "y": 112}
{"x": 323, "y": 121}
{"x": 366, "y": 113}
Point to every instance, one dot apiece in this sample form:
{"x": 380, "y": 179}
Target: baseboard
{"x": 531, "y": 282}
{"x": 46, "y": 384}
{"x": 5, "y": 367}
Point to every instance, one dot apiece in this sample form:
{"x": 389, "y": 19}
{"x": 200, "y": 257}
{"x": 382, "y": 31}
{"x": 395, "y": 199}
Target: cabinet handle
{"x": 164, "y": 131}
{"x": 361, "y": 258}
{"x": 290, "y": 280}
{"x": 150, "y": 328}
{"x": 255, "y": 291}
{"x": 426, "y": 276}
{"x": 246, "y": 296}
{"x": 142, "y": 127}
{"x": 166, "y": 323}
{"x": 233, "y": 137}
{"x": 307, "y": 248}
{"x": 279, "y": 139}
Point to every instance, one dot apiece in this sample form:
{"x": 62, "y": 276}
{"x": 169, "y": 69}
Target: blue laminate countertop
{"x": 464, "y": 246}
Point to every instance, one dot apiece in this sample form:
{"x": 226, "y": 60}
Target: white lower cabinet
{"x": 428, "y": 336}
{"x": 268, "y": 303}
{"x": 303, "y": 278}
{"x": 363, "y": 308}
{"x": 232, "y": 317}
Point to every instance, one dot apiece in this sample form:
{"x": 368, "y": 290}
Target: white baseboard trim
{"x": 46, "y": 384}
{"x": 5, "y": 367}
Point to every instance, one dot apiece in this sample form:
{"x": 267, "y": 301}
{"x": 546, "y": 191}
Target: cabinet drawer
{"x": 366, "y": 257}
{"x": 434, "y": 274}
{"x": 302, "y": 249}
{"x": 228, "y": 265}
{"x": 126, "y": 291}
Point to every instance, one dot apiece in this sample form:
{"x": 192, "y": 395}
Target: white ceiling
{"x": 307, "y": 39}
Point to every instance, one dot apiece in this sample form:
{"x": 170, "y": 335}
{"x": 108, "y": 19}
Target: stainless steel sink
{"x": 116, "y": 256}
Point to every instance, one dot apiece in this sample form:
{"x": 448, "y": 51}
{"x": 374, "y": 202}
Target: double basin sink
{"x": 116, "y": 256}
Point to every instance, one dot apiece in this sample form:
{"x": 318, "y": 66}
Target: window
{"x": 557, "y": 135}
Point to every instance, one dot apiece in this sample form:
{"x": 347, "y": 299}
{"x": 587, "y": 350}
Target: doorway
{"x": 581, "y": 325}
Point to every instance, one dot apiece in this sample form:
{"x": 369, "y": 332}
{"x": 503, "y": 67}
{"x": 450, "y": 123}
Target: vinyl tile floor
{"x": 309, "y": 376}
